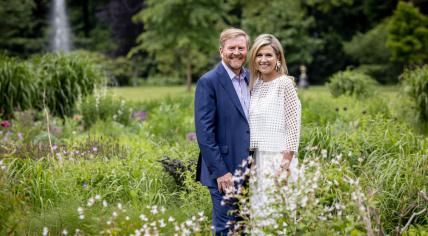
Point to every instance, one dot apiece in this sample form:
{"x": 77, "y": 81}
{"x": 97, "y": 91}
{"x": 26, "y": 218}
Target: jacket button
{"x": 248, "y": 131}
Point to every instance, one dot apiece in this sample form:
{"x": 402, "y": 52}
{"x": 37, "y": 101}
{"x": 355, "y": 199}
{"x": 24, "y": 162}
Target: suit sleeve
{"x": 205, "y": 122}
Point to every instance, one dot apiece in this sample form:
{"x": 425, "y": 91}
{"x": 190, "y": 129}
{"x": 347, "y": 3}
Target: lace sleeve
{"x": 292, "y": 116}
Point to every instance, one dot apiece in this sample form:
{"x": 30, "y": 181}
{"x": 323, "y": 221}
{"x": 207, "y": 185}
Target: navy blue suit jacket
{"x": 222, "y": 129}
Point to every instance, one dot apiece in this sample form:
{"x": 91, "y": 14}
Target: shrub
{"x": 64, "y": 78}
{"x": 408, "y": 35}
{"x": 17, "y": 85}
{"x": 351, "y": 83}
{"x": 416, "y": 86}
{"x": 106, "y": 108}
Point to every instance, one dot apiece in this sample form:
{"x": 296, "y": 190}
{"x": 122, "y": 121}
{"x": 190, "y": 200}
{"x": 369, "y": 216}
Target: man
{"x": 221, "y": 111}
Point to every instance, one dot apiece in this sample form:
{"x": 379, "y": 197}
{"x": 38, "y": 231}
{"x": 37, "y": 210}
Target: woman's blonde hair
{"x": 261, "y": 41}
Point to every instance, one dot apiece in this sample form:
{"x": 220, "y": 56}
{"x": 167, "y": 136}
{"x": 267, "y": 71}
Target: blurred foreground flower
{"x": 191, "y": 136}
{"x": 139, "y": 115}
{"x": 5, "y": 123}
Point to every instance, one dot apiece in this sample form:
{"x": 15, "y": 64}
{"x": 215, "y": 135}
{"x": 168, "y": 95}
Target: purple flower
{"x": 94, "y": 149}
{"x": 20, "y": 136}
{"x": 139, "y": 115}
{"x": 54, "y": 147}
{"x": 5, "y": 123}
{"x": 191, "y": 136}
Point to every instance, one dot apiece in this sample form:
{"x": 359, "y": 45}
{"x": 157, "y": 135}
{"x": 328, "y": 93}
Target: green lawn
{"x": 145, "y": 93}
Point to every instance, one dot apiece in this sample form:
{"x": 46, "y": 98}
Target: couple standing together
{"x": 239, "y": 111}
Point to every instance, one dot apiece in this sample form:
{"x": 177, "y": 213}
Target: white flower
{"x": 304, "y": 201}
{"x": 189, "y": 223}
{"x": 108, "y": 222}
{"x": 171, "y": 219}
{"x": 127, "y": 218}
{"x": 119, "y": 205}
{"x": 97, "y": 197}
{"x": 80, "y": 210}
{"x": 82, "y": 217}
{"x": 91, "y": 201}
{"x": 64, "y": 232}
{"x": 45, "y": 231}
{"x": 154, "y": 211}
{"x": 324, "y": 153}
{"x": 114, "y": 214}
{"x": 143, "y": 217}
{"x": 162, "y": 223}
{"x": 105, "y": 204}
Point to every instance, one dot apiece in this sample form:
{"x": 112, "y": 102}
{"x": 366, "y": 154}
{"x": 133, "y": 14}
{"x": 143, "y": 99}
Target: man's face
{"x": 234, "y": 53}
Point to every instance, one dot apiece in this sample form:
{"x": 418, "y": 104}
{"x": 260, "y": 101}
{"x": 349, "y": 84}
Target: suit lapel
{"x": 227, "y": 84}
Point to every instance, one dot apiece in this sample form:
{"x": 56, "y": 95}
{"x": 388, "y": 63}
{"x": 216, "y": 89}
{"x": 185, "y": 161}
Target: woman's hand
{"x": 286, "y": 160}
{"x": 285, "y": 166}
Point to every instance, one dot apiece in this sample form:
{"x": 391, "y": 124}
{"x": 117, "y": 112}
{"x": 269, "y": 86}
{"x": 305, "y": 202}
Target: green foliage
{"x": 18, "y": 85}
{"x": 416, "y": 86}
{"x": 364, "y": 170}
{"x": 20, "y": 32}
{"x": 64, "y": 79}
{"x": 182, "y": 35}
{"x": 120, "y": 70}
{"x": 370, "y": 47}
{"x": 351, "y": 83}
{"x": 289, "y": 22}
{"x": 408, "y": 35}
{"x": 171, "y": 127}
{"x": 163, "y": 80}
{"x": 106, "y": 108}
{"x": 370, "y": 51}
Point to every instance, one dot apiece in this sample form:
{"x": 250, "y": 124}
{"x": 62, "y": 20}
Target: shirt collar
{"x": 231, "y": 73}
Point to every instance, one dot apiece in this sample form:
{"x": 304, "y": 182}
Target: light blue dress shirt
{"x": 241, "y": 88}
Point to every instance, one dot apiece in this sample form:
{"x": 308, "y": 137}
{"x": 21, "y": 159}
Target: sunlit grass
{"x": 145, "y": 93}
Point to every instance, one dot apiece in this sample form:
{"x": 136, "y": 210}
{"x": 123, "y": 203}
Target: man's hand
{"x": 225, "y": 182}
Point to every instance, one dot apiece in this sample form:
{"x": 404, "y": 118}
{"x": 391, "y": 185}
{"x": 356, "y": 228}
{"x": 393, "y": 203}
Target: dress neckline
{"x": 270, "y": 81}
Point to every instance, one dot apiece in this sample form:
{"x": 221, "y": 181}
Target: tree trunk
{"x": 189, "y": 76}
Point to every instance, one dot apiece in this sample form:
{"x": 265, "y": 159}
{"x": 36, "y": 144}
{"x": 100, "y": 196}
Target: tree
{"x": 288, "y": 21}
{"x": 408, "y": 35}
{"x": 181, "y": 34}
{"x": 117, "y": 14}
{"x": 371, "y": 54}
{"x": 21, "y": 27}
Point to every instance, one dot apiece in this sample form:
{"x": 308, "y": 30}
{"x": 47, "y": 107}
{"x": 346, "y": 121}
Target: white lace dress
{"x": 274, "y": 118}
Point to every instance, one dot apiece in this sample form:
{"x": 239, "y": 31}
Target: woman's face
{"x": 266, "y": 60}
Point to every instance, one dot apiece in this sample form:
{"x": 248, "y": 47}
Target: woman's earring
{"x": 278, "y": 66}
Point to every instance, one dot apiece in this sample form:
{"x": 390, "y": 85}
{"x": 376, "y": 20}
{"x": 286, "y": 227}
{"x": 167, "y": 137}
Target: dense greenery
{"x": 365, "y": 171}
{"x": 180, "y": 35}
{"x": 416, "y": 86}
{"x": 53, "y": 81}
{"x": 183, "y": 43}
{"x": 408, "y": 35}
{"x": 351, "y": 83}
{"x": 17, "y": 85}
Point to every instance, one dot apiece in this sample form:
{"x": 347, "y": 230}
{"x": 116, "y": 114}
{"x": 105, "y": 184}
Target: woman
{"x": 274, "y": 118}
